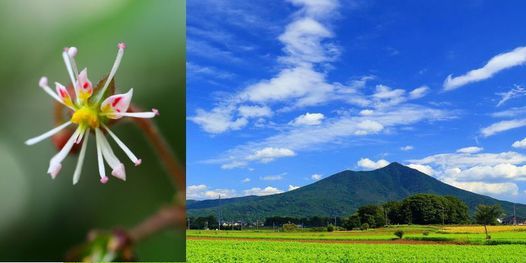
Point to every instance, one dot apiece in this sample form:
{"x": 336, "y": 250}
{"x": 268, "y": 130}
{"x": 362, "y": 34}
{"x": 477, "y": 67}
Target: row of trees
{"x": 422, "y": 209}
{"x": 315, "y": 221}
{"x": 419, "y": 209}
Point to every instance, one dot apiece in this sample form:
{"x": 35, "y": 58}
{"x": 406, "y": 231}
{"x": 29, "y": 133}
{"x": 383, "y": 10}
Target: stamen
{"x": 69, "y": 67}
{"x": 104, "y": 180}
{"x": 82, "y": 154}
{"x": 116, "y": 64}
{"x": 123, "y": 146}
{"x": 47, "y": 134}
{"x": 79, "y": 139}
{"x": 144, "y": 115}
{"x": 44, "y": 85}
{"x": 72, "y": 51}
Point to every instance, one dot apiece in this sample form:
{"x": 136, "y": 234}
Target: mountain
{"x": 341, "y": 194}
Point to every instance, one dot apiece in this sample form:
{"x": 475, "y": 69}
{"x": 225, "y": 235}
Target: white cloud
{"x": 303, "y": 42}
{"x": 494, "y": 65}
{"x": 516, "y": 92}
{"x": 268, "y": 154}
{"x": 246, "y": 180}
{"x": 422, "y": 168}
{"x": 337, "y": 131}
{"x": 316, "y": 8}
{"x": 366, "y": 112}
{"x": 218, "y": 120}
{"x": 471, "y": 149}
{"x": 193, "y": 69}
{"x": 302, "y": 85}
{"x": 316, "y": 177}
{"x": 308, "y": 119}
{"x": 292, "y": 187}
{"x": 476, "y": 166}
{"x": 233, "y": 164}
{"x": 369, "y": 164}
{"x": 464, "y": 161}
{"x": 419, "y": 92}
{"x": 367, "y": 127}
{"x": 407, "y": 148}
{"x": 487, "y": 188}
{"x": 519, "y": 144}
{"x": 254, "y": 111}
{"x": 262, "y": 191}
{"x": 485, "y": 173}
{"x": 298, "y": 83}
{"x": 384, "y": 96}
{"x": 201, "y": 191}
{"x": 502, "y": 126}
{"x": 509, "y": 113}
{"x": 276, "y": 177}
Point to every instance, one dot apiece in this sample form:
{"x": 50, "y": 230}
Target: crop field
{"x": 419, "y": 244}
{"x": 457, "y": 234}
{"x": 291, "y": 251}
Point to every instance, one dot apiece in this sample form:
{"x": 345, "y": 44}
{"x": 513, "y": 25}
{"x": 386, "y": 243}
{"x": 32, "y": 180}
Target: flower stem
{"x": 164, "y": 218}
{"x": 173, "y": 167}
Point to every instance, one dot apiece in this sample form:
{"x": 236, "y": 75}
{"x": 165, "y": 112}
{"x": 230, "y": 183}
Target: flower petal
{"x": 115, "y": 105}
{"x": 44, "y": 85}
{"x": 63, "y": 94}
{"x": 109, "y": 156}
{"x": 85, "y": 86}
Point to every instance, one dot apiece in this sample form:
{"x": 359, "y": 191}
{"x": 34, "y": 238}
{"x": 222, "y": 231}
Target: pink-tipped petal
{"x": 116, "y": 104}
{"x": 64, "y": 94}
{"x": 72, "y": 51}
{"x": 119, "y": 172}
{"x": 156, "y": 111}
{"x": 54, "y": 169}
{"x": 138, "y": 162}
{"x": 84, "y": 84}
{"x": 121, "y": 45}
{"x": 104, "y": 180}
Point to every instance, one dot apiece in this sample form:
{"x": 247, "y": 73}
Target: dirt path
{"x": 329, "y": 241}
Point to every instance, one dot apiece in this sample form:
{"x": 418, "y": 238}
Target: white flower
{"x": 90, "y": 113}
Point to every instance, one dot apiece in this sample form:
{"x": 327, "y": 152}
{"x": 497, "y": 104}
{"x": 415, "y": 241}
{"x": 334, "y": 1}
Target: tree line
{"x": 420, "y": 209}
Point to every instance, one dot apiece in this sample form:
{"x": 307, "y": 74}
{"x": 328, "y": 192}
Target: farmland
{"x": 420, "y": 243}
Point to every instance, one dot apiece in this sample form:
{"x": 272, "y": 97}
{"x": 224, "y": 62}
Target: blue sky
{"x": 284, "y": 93}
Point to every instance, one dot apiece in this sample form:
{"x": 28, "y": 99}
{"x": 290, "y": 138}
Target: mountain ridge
{"x": 341, "y": 194}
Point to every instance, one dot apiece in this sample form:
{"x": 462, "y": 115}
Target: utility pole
{"x": 219, "y": 212}
{"x": 442, "y": 215}
{"x": 514, "y": 216}
{"x": 188, "y": 223}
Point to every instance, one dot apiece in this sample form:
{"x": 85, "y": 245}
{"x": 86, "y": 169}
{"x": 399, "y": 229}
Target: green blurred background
{"x": 41, "y": 218}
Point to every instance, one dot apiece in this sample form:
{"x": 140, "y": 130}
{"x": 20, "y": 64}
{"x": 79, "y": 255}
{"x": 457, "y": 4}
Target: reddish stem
{"x": 176, "y": 171}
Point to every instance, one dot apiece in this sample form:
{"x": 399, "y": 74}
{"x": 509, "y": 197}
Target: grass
{"x": 222, "y": 250}
{"x": 457, "y": 234}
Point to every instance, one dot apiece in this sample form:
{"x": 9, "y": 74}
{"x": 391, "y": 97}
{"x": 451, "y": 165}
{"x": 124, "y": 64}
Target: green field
{"x": 291, "y": 251}
{"x": 435, "y": 233}
{"x": 454, "y": 244}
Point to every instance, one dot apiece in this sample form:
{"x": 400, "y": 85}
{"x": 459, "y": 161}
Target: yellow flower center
{"x": 86, "y": 116}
